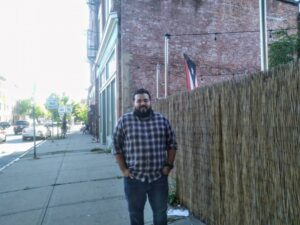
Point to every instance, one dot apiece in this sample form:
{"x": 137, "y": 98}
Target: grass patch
{"x": 172, "y": 198}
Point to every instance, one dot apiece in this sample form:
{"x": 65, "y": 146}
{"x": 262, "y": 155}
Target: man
{"x": 145, "y": 147}
{"x": 64, "y": 126}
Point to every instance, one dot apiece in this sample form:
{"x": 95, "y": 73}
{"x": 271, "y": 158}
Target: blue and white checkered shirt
{"x": 144, "y": 144}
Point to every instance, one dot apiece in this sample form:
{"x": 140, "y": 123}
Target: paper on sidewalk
{"x": 178, "y": 212}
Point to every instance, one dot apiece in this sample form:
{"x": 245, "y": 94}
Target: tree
{"x": 80, "y": 112}
{"x": 64, "y": 100}
{"x": 284, "y": 49}
{"x": 41, "y": 112}
{"x": 24, "y": 107}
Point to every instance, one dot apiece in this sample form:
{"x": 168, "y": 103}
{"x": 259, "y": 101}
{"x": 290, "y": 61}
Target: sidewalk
{"x": 73, "y": 182}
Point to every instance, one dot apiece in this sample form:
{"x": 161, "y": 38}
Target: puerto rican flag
{"x": 190, "y": 72}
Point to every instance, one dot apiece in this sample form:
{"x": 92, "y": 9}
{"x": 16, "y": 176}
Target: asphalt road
{"x": 13, "y": 148}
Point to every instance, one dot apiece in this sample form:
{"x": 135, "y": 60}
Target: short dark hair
{"x": 141, "y": 91}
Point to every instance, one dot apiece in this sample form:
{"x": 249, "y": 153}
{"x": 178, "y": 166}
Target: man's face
{"x": 142, "y": 103}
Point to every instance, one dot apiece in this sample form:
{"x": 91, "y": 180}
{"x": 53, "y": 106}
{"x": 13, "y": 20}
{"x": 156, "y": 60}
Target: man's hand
{"x": 121, "y": 161}
{"x": 166, "y": 170}
{"x": 126, "y": 173}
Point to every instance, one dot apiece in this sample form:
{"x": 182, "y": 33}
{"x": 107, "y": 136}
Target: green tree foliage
{"x": 80, "y": 112}
{"x": 284, "y": 49}
{"x": 24, "y": 107}
{"x": 64, "y": 100}
{"x": 41, "y": 112}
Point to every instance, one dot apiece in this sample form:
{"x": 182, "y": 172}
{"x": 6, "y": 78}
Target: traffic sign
{"x": 52, "y": 103}
{"x": 61, "y": 109}
{"x": 68, "y": 109}
{"x": 61, "y": 114}
{"x": 65, "y": 109}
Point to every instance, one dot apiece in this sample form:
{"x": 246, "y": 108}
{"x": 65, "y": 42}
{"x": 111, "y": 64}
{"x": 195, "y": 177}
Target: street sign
{"x": 61, "y": 115}
{"x": 65, "y": 109}
{"x": 52, "y": 103}
{"x": 61, "y": 109}
{"x": 68, "y": 109}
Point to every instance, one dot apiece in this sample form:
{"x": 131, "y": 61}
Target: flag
{"x": 190, "y": 73}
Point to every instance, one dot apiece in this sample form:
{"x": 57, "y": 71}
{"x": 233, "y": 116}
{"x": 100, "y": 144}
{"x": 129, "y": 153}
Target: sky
{"x": 43, "y": 45}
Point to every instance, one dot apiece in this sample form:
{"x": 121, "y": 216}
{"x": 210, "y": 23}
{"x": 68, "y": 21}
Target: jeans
{"x": 137, "y": 192}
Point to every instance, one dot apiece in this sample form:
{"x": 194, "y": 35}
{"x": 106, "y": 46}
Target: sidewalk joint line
{"x": 61, "y": 184}
{"x": 51, "y": 193}
{"x": 116, "y": 197}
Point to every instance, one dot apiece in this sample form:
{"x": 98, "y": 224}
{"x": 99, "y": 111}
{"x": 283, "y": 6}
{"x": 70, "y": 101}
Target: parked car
{"x": 20, "y": 125}
{"x": 4, "y": 124}
{"x": 2, "y": 134}
{"x": 41, "y": 132}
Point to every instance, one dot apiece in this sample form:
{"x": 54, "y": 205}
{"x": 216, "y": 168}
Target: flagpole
{"x": 157, "y": 80}
{"x": 167, "y": 37}
{"x": 263, "y": 35}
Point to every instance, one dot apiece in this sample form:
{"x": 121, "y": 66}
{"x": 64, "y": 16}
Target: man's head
{"x": 142, "y": 102}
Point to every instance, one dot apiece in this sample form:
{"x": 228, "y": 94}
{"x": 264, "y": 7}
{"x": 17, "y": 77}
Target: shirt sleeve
{"x": 171, "y": 137}
{"x": 118, "y": 138}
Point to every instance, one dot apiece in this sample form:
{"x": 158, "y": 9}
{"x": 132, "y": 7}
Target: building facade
{"x": 7, "y": 100}
{"x": 126, "y": 47}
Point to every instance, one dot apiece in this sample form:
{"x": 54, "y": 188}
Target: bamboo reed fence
{"x": 238, "y": 160}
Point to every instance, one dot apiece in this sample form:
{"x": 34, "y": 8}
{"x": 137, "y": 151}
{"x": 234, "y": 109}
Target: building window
{"x": 111, "y": 65}
{"x": 108, "y": 114}
{"x": 102, "y": 78}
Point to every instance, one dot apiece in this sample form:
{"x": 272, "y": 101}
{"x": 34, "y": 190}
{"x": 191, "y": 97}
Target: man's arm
{"x": 117, "y": 149}
{"x": 122, "y": 165}
{"x": 171, "y": 153}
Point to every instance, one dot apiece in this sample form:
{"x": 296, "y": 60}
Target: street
{"x": 13, "y": 148}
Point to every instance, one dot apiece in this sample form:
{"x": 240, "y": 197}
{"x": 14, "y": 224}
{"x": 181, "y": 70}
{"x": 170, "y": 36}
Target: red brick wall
{"x": 143, "y": 24}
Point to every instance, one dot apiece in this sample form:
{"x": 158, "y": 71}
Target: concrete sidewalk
{"x": 72, "y": 182}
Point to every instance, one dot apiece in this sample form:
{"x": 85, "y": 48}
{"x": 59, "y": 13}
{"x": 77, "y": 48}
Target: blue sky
{"x": 43, "y": 43}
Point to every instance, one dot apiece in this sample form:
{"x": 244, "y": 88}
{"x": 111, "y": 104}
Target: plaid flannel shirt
{"x": 144, "y": 144}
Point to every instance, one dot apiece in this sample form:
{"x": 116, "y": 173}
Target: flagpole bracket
{"x": 167, "y": 35}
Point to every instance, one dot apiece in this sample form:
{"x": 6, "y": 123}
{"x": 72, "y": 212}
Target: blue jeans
{"x": 136, "y": 193}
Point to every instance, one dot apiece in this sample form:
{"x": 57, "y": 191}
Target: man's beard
{"x": 142, "y": 113}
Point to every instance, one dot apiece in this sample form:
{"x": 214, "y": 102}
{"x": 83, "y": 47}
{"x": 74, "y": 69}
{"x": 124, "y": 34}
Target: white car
{"x": 41, "y": 132}
{"x": 2, "y": 134}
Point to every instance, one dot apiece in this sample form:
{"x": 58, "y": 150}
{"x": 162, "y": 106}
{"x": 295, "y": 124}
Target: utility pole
{"x": 33, "y": 118}
{"x": 34, "y": 138}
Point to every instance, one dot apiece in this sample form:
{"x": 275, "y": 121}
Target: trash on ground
{"x": 178, "y": 212}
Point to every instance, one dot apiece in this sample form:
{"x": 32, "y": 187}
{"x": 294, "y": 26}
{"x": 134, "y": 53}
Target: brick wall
{"x": 143, "y": 24}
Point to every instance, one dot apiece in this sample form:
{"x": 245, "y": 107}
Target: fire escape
{"x": 93, "y": 32}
